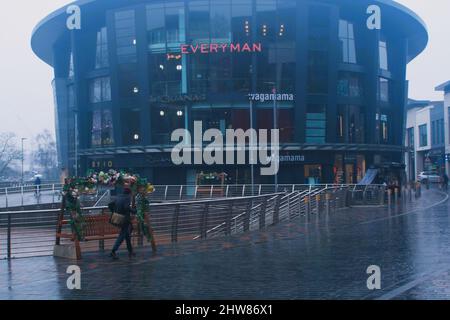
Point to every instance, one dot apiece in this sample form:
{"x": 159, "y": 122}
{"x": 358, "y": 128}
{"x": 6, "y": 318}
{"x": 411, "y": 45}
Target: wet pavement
{"x": 323, "y": 258}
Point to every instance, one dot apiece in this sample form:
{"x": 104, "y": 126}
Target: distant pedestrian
{"x": 445, "y": 182}
{"x": 37, "y": 184}
{"x": 122, "y": 206}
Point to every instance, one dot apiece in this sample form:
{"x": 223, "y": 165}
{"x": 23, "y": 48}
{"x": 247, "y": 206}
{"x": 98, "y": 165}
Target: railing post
{"x": 101, "y": 245}
{"x": 196, "y": 192}
{"x": 211, "y": 192}
{"x": 53, "y": 193}
{"x": 9, "y": 236}
{"x": 276, "y": 211}
{"x": 381, "y": 192}
{"x": 175, "y": 219}
{"x": 327, "y": 203}
{"x": 243, "y": 190}
{"x": 6, "y": 197}
{"x": 181, "y": 192}
{"x": 204, "y": 222}
{"x": 248, "y": 212}
{"x": 228, "y": 221}
{"x": 228, "y": 189}
{"x": 318, "y": 204}
{"x": 308, "y": 207}
{"x": 262, "y": 215}
{"x": 165, "y": 192}
{"x": 21, "y": 192}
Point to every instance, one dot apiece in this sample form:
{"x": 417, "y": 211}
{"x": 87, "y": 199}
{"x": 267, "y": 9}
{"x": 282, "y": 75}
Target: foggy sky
{"x": 26, "y": 98}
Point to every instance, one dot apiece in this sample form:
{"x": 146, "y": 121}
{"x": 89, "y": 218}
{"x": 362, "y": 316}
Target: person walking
{"x": 122, "y": 206}
{"x": 37, "y": 184}
{"x": 445, "y": 182}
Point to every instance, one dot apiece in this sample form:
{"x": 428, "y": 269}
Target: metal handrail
{"x": 187, "y": 219}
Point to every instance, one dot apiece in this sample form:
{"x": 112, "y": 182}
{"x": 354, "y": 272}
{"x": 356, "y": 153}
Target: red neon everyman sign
{"x": 221, "y": 48}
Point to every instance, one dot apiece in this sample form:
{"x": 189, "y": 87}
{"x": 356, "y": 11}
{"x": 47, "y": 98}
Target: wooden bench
{"x": 98, "y": 228}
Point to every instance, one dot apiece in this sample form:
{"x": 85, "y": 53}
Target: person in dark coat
{"x": 122, "y": 206}
{"x": 445, "y": 181}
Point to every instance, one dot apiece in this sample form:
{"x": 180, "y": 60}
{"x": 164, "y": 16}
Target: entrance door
{"x": 313, "y": 174}
{"x": 349, "y": 173}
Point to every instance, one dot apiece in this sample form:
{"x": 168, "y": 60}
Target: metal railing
{"x": 51, "y": 193}
{"x": 32, "y": 233}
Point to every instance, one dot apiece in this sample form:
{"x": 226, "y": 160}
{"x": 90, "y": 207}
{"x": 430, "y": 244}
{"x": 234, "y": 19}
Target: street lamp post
{"x": 76, "y": 141}
{"x": 23, "y": 139}
{"x": 275, "y": 127}
{"x": 252, "y": 166}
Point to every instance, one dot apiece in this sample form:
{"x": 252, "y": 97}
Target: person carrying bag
{"x": 121, "y": 217}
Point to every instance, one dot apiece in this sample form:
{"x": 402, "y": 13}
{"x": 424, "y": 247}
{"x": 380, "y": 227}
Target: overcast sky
{"x": 26, "y": 99}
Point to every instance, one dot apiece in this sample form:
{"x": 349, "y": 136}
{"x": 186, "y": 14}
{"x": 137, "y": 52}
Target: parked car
{"x": 429, "y": 176}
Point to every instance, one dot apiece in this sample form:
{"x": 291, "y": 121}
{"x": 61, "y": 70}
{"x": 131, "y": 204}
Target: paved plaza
{"x": 323, "y": 258}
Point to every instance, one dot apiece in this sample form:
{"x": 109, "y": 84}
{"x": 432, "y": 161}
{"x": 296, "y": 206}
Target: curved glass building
{"x": 137, "y": 70}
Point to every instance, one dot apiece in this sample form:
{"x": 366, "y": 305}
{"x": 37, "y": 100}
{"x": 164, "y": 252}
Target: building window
{"x": 316, "y": 124}
{"x": 128, "y": 80}
{"x": 318, "y": 72}
{"x": 410, "y": 136}
{"x": 164, "y": 120}
{"x": 125, "y": 36}
{"x": 102, "y": 133}
{"x": 383, "y": 55}
{"x": 347, "y": 39}
{"x": 350, "y": 85}
{"x": 131, "y": 126}
{"x": 199, "y": 22}
{"x": 100, "y": 90}
{"x": 384, "y": 128}
{"x": 383, "y": 90}
{"x": 71, "y": 67}
{"x": 435, "y": 132}
{"x": 423, "y": 135}
{"x": 101, "y": 54}
{"x": 351, "y": 123}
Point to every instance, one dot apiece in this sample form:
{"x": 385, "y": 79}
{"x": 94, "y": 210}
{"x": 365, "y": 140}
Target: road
{"x": 325, "y": 257}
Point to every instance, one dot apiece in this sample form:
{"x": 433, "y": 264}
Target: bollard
{"x": 327, "y": 203}
{"x": 381, "y": 192}
{"x": 396, "y": 195}
{"x": 318, "y": 204}
{"x": 409, "y": 193}
{"x": 389, "y": 197}
{"x": 308, "y": 207}
{"x": 9, "y": 236}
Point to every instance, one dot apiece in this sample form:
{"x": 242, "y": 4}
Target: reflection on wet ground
{"x": 323, "y": 258}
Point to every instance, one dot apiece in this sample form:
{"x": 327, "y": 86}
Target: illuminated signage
{"x": 221, "y": 48}
{"x": 178, "y": 98}
{"x": 261, "y": 97}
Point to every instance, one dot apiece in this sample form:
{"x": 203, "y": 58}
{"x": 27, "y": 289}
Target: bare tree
{"x": 9, "y": 151}
{"x": 45, "y": 155}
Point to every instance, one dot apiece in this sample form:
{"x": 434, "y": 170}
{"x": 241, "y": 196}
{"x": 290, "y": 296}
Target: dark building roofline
{"x": 53, "y": 27}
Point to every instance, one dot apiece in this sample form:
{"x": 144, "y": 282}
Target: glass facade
{"x": 383, "y": 55}
{"x": 102, "y": 53}
{"x": 100, "y": 90}
{"x": 347, "y": 39}
{"x": 383, "y": 89}
{"x": 350, "y": 85}
{"x": 167, "y": 64}
{"x": 316, "y": 124}
{"x": 102, "y": 128}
